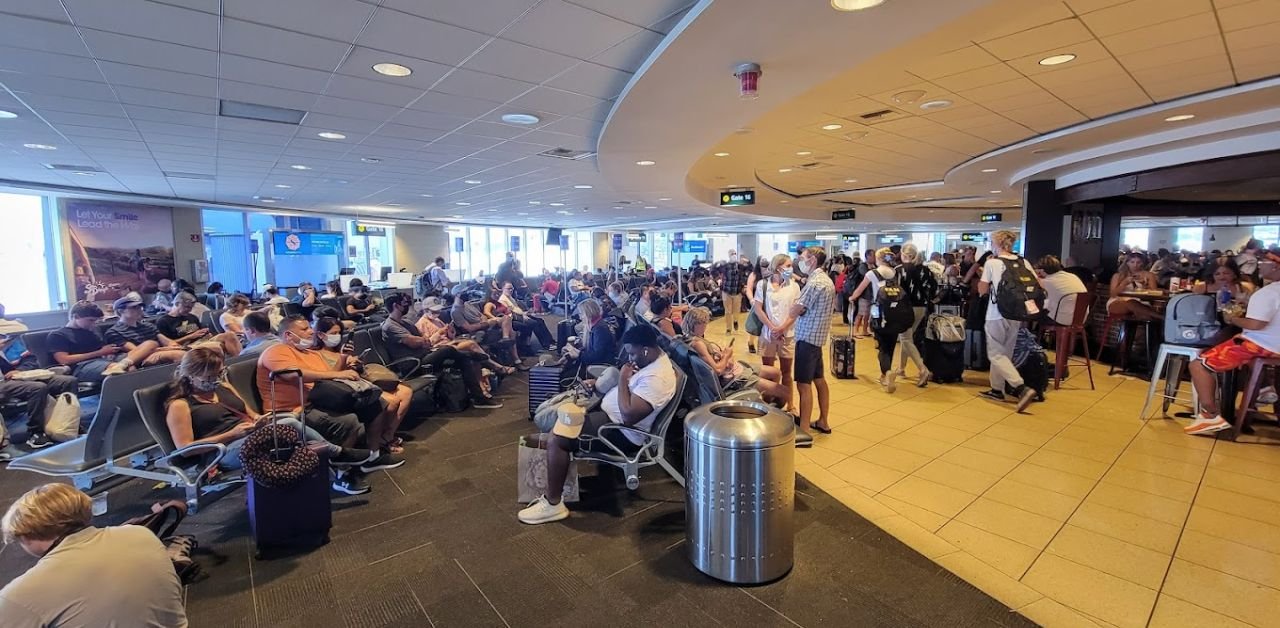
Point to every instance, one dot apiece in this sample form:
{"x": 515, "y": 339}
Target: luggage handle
{"x": 279, "y": 453}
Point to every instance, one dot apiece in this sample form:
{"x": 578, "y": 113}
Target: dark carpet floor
{"x": 437, "y": 543}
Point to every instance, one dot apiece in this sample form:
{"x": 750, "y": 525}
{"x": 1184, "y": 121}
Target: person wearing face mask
{"x": 338, "y": 352}
{"x": 731, "y": 288}
{"x": 405, "y": 340}
{"x": 523, "y": 324}
{"x": 759, "y": 272}
{"x": 772, "y": 304}
{"x": 85, "y": 575}
{"x": 811, "y": 315}
{"x": 646, "y": 384}
{"x": 203, "y": 409}
{"x": 361, "y": 307}
{"x": 164, "y": 297}
{"x": 599, "y": 344}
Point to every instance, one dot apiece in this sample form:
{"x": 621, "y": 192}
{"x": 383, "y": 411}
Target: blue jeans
{"x": 91, "y": 370}
{"x": 231, "y": 460}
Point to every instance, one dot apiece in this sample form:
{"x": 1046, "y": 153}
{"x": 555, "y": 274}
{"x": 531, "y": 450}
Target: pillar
{"x": 1041, "y": 220}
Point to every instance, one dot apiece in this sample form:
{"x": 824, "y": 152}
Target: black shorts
{"x": 807, "y": 363}
{"x": 591, "y": 427}
{"x": 335, "y": 428}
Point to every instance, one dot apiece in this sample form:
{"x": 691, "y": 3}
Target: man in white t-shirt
{"x": 1060, "y": 289}
{"x": 1260, "y": 338}
{"x": 1001, "y": 332}
{"x": 646, "y": 385}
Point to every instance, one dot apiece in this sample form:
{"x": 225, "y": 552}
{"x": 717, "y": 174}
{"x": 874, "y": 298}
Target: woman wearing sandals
{"x": 771, "y": 302}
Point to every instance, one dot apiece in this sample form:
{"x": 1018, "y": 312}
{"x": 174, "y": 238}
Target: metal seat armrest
{"x": 168, "y": 461}
{"x": 397, "y": 366}
{"x": 650, "y": 440}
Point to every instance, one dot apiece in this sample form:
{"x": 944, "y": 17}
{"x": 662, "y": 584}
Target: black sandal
{"x": 821, "y": 430}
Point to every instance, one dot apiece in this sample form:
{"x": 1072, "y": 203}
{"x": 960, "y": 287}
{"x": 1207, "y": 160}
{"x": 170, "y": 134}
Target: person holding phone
{"x": 80, "y": 346}
{"x": 340, "y": 353}
{"x": 734, "y": 375}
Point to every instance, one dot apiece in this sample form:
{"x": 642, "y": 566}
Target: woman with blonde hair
{"x": 921, "y": 287}
{"x": 1002, "y": 333}
{"x": 885, "y": 342}
{"x": 734, "y": 375}
{"x": 232, "y": 320}
{"x": 771, "y": 301}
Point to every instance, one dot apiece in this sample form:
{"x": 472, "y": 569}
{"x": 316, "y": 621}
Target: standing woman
{"x": 760, "y": 271}
{"x": 885, "y": 342}
{"x": 862, "y": 322}
{"x": 772, "y": 301}
{"x": 921, "y": 286}
{"x": 1132, "y": 276}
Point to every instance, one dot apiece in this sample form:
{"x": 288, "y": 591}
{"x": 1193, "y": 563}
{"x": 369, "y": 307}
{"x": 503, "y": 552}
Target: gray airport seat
{"x": 653, "y": 449}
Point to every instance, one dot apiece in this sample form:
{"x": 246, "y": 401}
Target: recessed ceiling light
{"x": 520, "y": 118}
{"x": 425, "y": 195}
{"x": 283, "y": 186}
{"x": 40, "y": 146}
{"x": 564, "y": 212}
{"x": 850, "y": 180}
{"x": 522, "y": 213}
{"x": 85, "y": 174}
{"x": 473, "y": 182}
{"x": 990, "y": 170}
{"x": 582, "y": 187}
{"x": 267, "y": 200}
{"x": 556, "y": 204}
{"x": 783, "y": 202}
{"x": 908, "y": 97}
{"x": 804, "y": 153}
{"x": 784, "y": 170}
{"x": 650, "y": 207}
{"x": 7, "y": 115}
{"x": 491, "y": 209}
{"x": 722, "y": 154}
{"x": 371, "y": 160}
{"x": 392, "y": 69}
{"x": 665, "y": 198}
{"x": 1058, "y": 59}
{"x": 832, "y": 127}
{"x": 462, "y": 203}
{"x": 855, "y": 5}
{"x": 391, "y": 204}
{"x": 941, "y": 103}
{"x": 300, "y": 167}
{"x": 995, "y": 191}
{"x": 330, "y": 135}
{"x": 645, "y": 162}
{"x": 1179, "y": 118}
{"x": 535, "y": 202}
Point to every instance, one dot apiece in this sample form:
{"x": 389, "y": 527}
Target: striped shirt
{"x": 819, "y": 300}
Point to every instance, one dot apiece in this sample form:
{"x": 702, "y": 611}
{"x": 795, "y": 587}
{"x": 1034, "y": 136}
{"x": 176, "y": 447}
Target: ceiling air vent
{"x": 262, "y": 113}
{"x": 194, "y": 176}
{"x": 813, "y": 165}
{"x": 73, "y": 168}
{"x": 881, "y": 115}
{"x": 565, "y": 153}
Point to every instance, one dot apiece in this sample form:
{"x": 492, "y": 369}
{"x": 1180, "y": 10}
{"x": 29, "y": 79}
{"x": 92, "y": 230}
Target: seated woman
{"x": 660, "y": 308}
{"x": 331, "y": 347}
{"x": 598, "y": 345}
{"x": 493, "y": 311}
{"x": 1226, "y": 274}
{"x": 361, "y": 306}
{"x": 203, "y": 408}
{"x": 524, "y": 324}
{"x": 734, "y": 375}
{"x": 333, "y": 288}
{"x": 232, "y": 320}
{"x": 1132, "y": 276}
{"x": 441, "y": 334}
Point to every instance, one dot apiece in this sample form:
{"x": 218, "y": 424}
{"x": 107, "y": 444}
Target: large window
{"x": 370, "y": 254}
{"x": 1268, "y": 234}
{"x": 1191, "y": 239}
{"x": 30, "y": 253}
{"x": 1140, "y": 238}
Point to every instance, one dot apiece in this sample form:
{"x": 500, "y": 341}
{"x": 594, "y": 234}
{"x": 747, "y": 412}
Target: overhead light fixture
{"x": 783, "y": 202}
{"x": 665, "y": 198}
{"x": 582, "y": 187}
{"x": 425, "y": 195}
{"x": 492, "y": 209}
{"x": 832, "y": 127}
{"x": 650, "y": 207}
{"x": 1179, "y": 117}
{"x": 462, "y": 204}
{"x": 722, "y": 154}
{"x": 391, "y": 205}
{"x": 7, "y": 115}
{"x": 521, "y": 118}
{"x": 908, "y": 97}
{"x": 990, "y": 170}
{"x": 855, "y": 5}
{"x": 804, "y": 153}
{"x": 84, "y": 173}
{"x": 473, "y": 182}
{"x": 1057, "y": 59}
{"x": 371, "y": 160}
{"x": 300, "y": 167}
{"x": 282, "y": 186}
{"x": 564, "y": 212}
{"x": 40, "y": 146}
{"x": 784, "y": 170}
{"x": 392, "y": 69}
{"x": 941, "y": 103}
{"x": 535, "y": 202}
{"x": 995, "y": 191}
{"x": 556, "y": 204}
{"x": 850, "y": 180}
{"x": 522, "y": 213}
{"x": 645, "y": 162}
{"x": 330, "y": 135}
{"x": 267, "y": 200}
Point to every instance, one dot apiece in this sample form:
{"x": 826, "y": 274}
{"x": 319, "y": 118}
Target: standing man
{"x": 812, "y": 316}
{"x": 1002, "y": 333}
{"x": 731, "y": 292}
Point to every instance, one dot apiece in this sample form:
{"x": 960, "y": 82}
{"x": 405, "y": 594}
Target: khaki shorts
{"x": 784, "y": 347}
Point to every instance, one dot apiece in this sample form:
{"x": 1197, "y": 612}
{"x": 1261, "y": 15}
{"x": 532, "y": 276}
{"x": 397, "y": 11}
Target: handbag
{"x": 179, "y": 546}
{"x": 344, "y": 395}
{"x": 531, "y": 479}
{"x": 62, "y": 418}
{"x": 381, "y": 376}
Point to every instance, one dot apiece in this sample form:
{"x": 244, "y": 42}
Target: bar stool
{"x": 1256, "y": 366}
{"x": 1173, "y": 380}
{"x": 1066, "y": 338}
{"x": 1124, "y": 340}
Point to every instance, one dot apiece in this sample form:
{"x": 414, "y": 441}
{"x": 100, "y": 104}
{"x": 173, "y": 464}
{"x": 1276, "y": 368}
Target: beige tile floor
{"x": 1077, "y": 513}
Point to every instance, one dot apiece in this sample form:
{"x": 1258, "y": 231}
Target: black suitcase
{"x": 1035, "y": 372}
{"x": 975, "y": 350}
{"x": 297, "y": 515}
{"x": 544, "y": 383}
{"x": 945, "y": 360}
{"x": 843, "y": 352}
{"x": 564, "y": 330}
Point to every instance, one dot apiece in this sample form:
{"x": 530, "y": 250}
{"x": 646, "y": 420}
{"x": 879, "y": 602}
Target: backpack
{"x": 921, "y": 284}
{"x": 891, "y": 313}
{"x": 1192, "y": 320}
{"x": 451, "y": 392}
{"x": 945, "y": 328}
{"x": 1019, "y": 296}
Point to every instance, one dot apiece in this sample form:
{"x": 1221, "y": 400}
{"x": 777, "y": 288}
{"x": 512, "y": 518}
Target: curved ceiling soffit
{"x": 684, "y": 97}
{"x": 1231, "y": 121}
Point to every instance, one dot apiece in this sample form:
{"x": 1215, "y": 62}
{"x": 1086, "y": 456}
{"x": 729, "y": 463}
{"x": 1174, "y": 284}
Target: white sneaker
{"x": 891, "y": 382}
{"x": 542, "y": 511}
{"x": 115, "y": 368}
{"x": 1268, "y": 395}
{"x": 1205, "y": 425}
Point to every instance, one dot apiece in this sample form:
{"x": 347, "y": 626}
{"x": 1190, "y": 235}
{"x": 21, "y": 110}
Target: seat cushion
{"x": 61, "y": 459}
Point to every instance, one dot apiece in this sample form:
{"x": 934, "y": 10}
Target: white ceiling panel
{"x": 453, "y": 105}
{"x": 274, "y": 44}
{"x": 43, "y": 9}
{"x": 334, "y": 19}
{"x": 156, "y": 79}
{"x": 361, "y": 61}
{"x": 166, "y": 100}
{"x": 372, "y": 91}
{"x": 631, "y": 53}
{"x": 151, "y": 54}
{"x": 51, "y": 64}
{"x": 492, "y": 18}
{"x": 645, "y": 13}
{"x": 402, "y": 33}
{"x": 484, "y": 86}
{"x": 518, "y": 61}
{"x": 546, "y": 25}
{"x": 24, "y": 32}
{"x": 259, "y": 72}
{"x": 141, "y": 18}
{"x": 555, "y": 101}
{"x": 592, "y": 79}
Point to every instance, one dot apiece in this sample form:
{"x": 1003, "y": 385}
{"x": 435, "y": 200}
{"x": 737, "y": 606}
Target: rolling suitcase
{"x": 945, "y": 360}
{"x": 975, "y": 350}
{"x": 565, "y": 329}
{"x": 842, "y": 355}
{"x": 544, "y": 383}
{"x": 293, "y": 515}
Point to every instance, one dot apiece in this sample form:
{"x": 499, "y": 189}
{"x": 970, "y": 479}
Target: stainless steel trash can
{"x": 740, "y": 490}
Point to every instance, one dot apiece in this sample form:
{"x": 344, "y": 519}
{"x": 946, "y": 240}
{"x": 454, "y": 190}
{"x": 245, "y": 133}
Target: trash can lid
{"x": 740, "y": 425}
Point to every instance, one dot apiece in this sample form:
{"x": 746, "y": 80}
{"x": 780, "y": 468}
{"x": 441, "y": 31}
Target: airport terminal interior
{"x": 639, "y": 312}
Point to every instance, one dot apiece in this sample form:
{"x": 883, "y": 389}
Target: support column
{"x": 1041, "y": 220}
{"x": 1111, "y": 214}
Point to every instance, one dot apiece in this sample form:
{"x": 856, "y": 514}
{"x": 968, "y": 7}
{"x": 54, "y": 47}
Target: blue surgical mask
{"x": 786, "y": 274}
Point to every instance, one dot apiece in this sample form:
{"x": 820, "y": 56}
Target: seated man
{"x": 306, "y": 298}
{"x": 81, "y": 347}
{"x": 1260, "y": 339}
{"x": 404, "y": 340}
{"x": 36, "y": 393}
{"x": 135, "y": 334}
{"x": 646, "y": 384}
{"x": 180, "y": 327}
{"x": 164, "y": 297}
{"x": 257, "y": 333}
{"x": 496, "y": 335}
{"x": 118, "y": 575}
{"x": 361, "y": 306}
{"x": 1060, "y": 289}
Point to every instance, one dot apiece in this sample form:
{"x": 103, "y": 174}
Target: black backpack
{"x": 892, "y": 313}
{"x": 1017, "y": 288}
{"x": 921, "y": 285}
{"x": 451, "y": 392}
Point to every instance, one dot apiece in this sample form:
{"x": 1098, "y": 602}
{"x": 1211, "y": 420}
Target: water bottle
{"x": 1224, "y": 297}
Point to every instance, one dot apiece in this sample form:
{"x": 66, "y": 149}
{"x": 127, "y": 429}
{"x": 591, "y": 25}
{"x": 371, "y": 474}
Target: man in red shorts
{"x": 1260, "y": 339}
